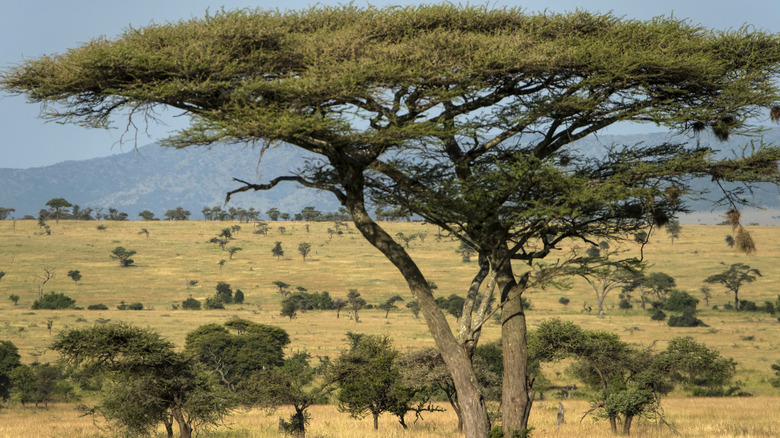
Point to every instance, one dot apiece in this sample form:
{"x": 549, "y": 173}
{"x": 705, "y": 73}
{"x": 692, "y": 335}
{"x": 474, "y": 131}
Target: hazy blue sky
{"x": 30, "y": 28}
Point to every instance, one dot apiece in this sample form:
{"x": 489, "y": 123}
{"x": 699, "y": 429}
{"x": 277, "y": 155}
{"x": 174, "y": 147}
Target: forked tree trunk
{"x": 473, "y": 408}
{"x": 627, "y": 424}
{"x": 185, "y": 430}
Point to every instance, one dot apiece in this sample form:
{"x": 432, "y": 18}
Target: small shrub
{"x": 53, "y": 301}
{"x": 97, "y": 307}
{"x": 658, "y": 315}
{"x": 213, "y": 303}
{"x": 190, "y": 304}
{"x": 238, "y": 297}
{"x": 685, "y": 320}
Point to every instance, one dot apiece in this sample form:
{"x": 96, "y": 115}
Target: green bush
{"x": 100, "y": 306}
{"x": 133, "y": 306}
{"x": 190, "y": 304}
{"x": 685, "y": 320}
{"x": 680, "y": 301}
{"x": 53, "y": 301}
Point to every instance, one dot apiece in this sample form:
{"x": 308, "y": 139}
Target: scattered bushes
{"x": 133, "y": 306}
{"x": 100, "y": 306}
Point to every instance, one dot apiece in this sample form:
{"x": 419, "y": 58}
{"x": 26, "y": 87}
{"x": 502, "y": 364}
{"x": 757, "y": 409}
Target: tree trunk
{"x": 516, "y": 394}
{"x": 627, "y": 425}
{"x": 474, "y": 410}
{"x": 736, "y": 300}
{"x": 613, "y": 424}
{"x": 376, "y": 421}
{"x": 168, "y": 422}
{"x": 185, "y": 431}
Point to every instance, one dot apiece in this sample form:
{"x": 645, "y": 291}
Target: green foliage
{"x": 9, "y": 360}
{"x": 130, "y": 306}
{"x": 238, "y": 297}
{"x": 658, "y": 315}
{"x": 389, "y": 304}
{"x": 97, "y": 307}
{"x": 355, "y": 302}
{"x": 369, "y": 379}
{"x": 123, "y": 255}
{"x": 733, "y": 277}
{"x": 14, "y": 298}
{"x": 629, "y": 381}
{"x": 304, "y": 248}
{"x": 453, "y": 305}
{"x": 190, "y": 304}
{"x": 687, "y": 319}
{"x": 53, "y": 301}
{"x": 414, "y": 307}
{"x": 277, "y": 250}
{"x": 41, "y": 383}
{"x": 236, "y": 349}
{"x": 680, "y": 301}
{"x": 178, "y": 214}
{"x": 74, "y": 275}
{"x": 147, "y": 381}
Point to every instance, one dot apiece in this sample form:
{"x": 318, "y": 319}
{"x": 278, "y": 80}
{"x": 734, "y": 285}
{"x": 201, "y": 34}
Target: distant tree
{"x": 123, "y": 256}
{"x": 2, "y": 274}
{"x": 54, "y": 301}
{"x": 277, "y": 250}
{"x": 707, "y": 292}
{"x": 310, "y": 214}
{"x": 389, "y": 304}
{"x": 74, "y": 275}
{"x": 603, "y": 274}
{"x": 5, "y": 213}
{"x": 238, "y": 296}
{"x": 733, "y": 278}
{"x": 150, "y": 382}
{"x": 147, "y": 215}
{"x": 284, "y": 216}
{"x": 355, "y": 303}
{"x": 130, "y": 306}
{"x": 775, "y": 381}
{"x": 232, "y": 250}
{"x": 673, "y": 229}
{"x": 304, "y": 248}
{"x": 452, "y": 304}
{"x": 730, "y": 241}
{"x": 273, "y": 213}
{"x": 466, "y": 252}
{"x": 58, "y": 207}
{"x": 414, "y": 307}
{"x": 177, "y": 214}
{"x": 40, "y": 384}
{"x": 226, "y": 233}
{"x": 406, "y": 239}
{"x": 14, "y": 298}
{"x": 282, "y": 287}
{"x": 48, "y": 275}
{"x": 338, "y": 305}
{"x": 224, "y": 293}
{"x": 9, "y": 360}
{"x": 289, "y": 308}
{"x": 565, "y": 301}
{"x": 218, "y": 241}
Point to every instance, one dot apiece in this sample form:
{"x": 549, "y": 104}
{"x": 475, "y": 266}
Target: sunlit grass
{"x": 177, "y": 252}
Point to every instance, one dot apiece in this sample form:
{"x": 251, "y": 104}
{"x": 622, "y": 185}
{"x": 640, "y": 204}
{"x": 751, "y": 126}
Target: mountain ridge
{"x": 158, "y": 179}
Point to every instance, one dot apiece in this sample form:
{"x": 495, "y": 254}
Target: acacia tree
{"x": 148, "y": 382}
{"x": 733, "y": 277}
{"x": 58, "y": 206}
{"x": 465, "y": 116}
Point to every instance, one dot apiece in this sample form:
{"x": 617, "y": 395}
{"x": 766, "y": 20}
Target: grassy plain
{"x": 176, "y": 253}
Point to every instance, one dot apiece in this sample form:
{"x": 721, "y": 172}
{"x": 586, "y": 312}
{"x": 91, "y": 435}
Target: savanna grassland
{"x": 174, "y": 255}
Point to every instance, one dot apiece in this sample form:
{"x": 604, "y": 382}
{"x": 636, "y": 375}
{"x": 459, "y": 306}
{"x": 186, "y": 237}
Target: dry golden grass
{"x": 714, "y": 417}
{"x": 177, "y": 252}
